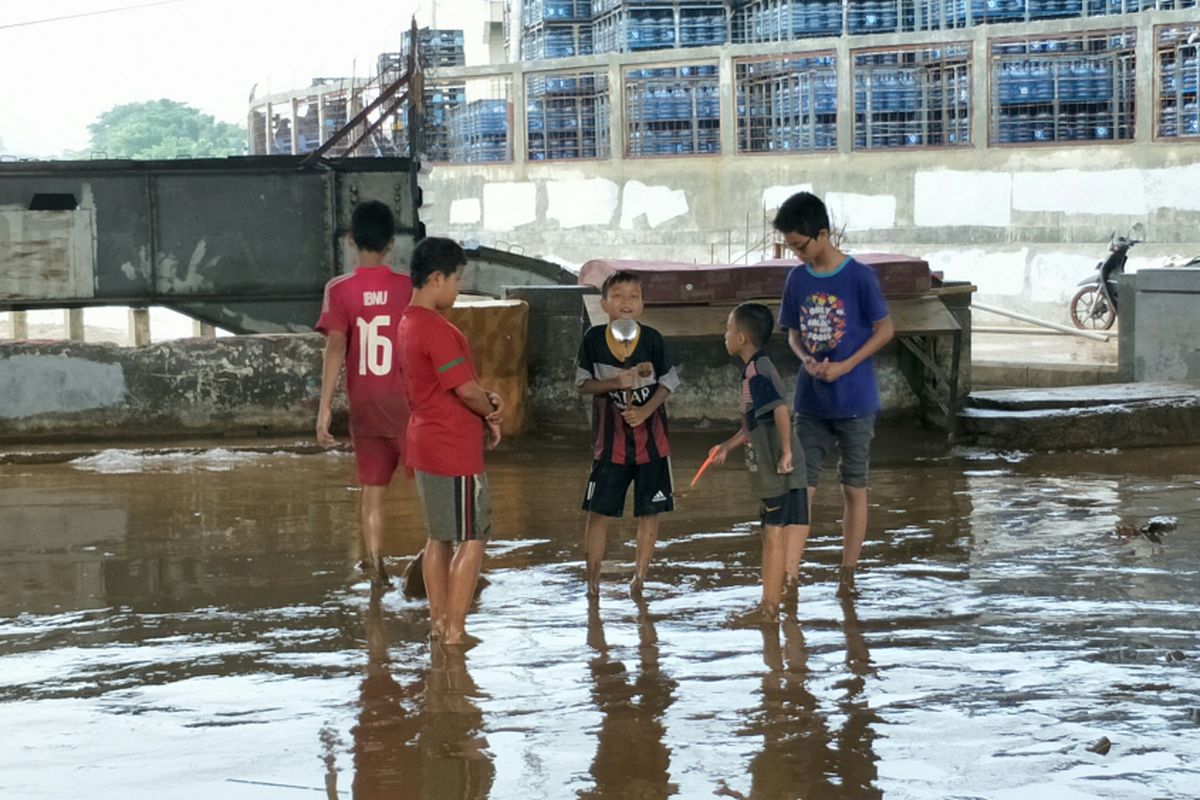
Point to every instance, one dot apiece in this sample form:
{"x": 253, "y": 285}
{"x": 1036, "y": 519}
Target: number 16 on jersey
{"x": 374, "y": 346}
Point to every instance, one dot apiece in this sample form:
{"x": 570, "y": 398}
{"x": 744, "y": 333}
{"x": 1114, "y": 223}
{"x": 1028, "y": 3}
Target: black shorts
{"x": 653, "y": 490}
{"x": 790, "y": 508}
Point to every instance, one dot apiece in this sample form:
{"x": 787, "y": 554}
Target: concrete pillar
{"x": 727, "y": 100}
{"x": 294, "y": 122}
{"x": 1144, "y": 94}
{"x": 139, "y": 327}
{"x": 981, "y": 65}
{"x": 616, "y": 115}
{"x": 74, "y": 322}
{"x": 845, "y": 91}
{"x": 515, "y": 24}
{"x": 322, "y": 135}
{"x": 20, "y": 324}
{"x": 203, "y": 329}
{"x": 520, "y": 147}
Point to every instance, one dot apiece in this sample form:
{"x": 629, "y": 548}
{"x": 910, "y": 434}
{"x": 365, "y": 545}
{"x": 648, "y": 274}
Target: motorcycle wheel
{"x": 1090, "y": 310}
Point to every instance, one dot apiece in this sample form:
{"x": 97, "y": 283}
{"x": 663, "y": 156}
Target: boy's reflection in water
{"x": 800, "y": 757}
{"x": 631, "y": 759}
{"x": 421, "y": 741}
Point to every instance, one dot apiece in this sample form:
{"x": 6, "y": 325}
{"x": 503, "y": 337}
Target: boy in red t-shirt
{"x": 453, "y": 419}
{"x": 359, "y": 318}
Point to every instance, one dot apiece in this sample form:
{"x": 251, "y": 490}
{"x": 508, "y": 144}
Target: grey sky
{"x": 59, "y": 76}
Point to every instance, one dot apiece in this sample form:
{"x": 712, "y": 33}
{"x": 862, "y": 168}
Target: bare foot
{"x": 846, "y": 586}
{"x": 754, "y": 618}
{"x": 437, "y": 630}
{"x": 635, "y": 586}
{"x": 380, "y": 575}
{"x": 791, "y": 584}
{"x": 459, "y": 638}
{"x": 593, "y": 588}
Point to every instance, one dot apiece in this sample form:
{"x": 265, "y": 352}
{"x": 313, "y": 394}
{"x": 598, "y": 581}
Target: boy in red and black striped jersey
{"x": 630, "y": 382}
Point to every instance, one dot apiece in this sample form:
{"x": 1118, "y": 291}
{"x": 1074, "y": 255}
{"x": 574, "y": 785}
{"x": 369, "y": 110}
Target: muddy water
{"x": 192, "y": 626}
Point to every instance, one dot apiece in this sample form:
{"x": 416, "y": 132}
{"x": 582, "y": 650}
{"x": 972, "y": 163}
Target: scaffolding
{"x": 567, "y": 115}
{"x": 672, "y": 111}
{"x": 300, "y": 122}
{"x": 912, "y": 97}
{"x": 1074, "y": 87}
{"x": 1069, "y": 88}
{"x": 480, "y": 128}
{"x": 627, "y": 27}
{"x": 784, "y": 20}
{"x": 1178, "y": 87}
{"x": 787, "y": 104}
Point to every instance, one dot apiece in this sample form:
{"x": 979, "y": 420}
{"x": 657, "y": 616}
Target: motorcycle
{"x": 1095, "y": 305}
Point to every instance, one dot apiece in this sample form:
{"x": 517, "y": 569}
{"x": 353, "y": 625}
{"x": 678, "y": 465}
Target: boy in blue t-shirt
{"x": 837, "y": 319}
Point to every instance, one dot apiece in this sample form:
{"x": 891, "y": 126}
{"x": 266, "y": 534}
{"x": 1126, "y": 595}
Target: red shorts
{"x": 376, "y": 458}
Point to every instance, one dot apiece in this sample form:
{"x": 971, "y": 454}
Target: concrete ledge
{"x": 1021, "y": 374}
{"x": 1122, "y": 415}
{"x": 254, "y": 385}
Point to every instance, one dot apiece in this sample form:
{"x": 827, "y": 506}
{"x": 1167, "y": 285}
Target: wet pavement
{"x": 1043, "y": 348}
{"x": 192, "y": 625}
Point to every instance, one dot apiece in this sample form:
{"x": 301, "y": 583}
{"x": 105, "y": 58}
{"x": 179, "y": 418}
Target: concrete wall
{"x": 238, "y": 385}
{"x": 269, "y": 384}
{"x": 1165, "y": 341}
{"x": 1024, "y": 227}
{"x": 1024, "y": 223}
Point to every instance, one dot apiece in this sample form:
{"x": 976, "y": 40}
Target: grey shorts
{"x": 456, "y": 509}
{"x": 852, "y": 437}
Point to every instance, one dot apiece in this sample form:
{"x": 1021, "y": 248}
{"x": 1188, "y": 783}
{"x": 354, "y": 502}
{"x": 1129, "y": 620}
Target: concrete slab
{"x": 1183, "y": 280}
{"x": 1121, "y": 415}
{"x": 1040, "y": 359}
{"x": 1082, "y": 396}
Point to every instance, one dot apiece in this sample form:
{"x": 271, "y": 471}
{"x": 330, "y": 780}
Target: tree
{"x": 164, "y": 129}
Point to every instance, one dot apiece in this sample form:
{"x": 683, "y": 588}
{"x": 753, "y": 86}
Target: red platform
{"x": 666, "y": 282}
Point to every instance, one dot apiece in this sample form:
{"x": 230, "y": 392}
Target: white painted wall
{"x": 1021, "y": 227}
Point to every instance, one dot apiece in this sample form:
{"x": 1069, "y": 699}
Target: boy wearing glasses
{"x": 837, "y": 319}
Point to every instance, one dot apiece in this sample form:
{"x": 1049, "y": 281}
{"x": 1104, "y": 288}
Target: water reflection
{"x": 801, "y": 756}
{"x": 457, "y": 765}
{"x": 387, "y": 754}
{"x": 631, "y": 758}
{"x": 855, "y": 762}
{"x": 173, "y": 615}
{"x": 421, "y": 739}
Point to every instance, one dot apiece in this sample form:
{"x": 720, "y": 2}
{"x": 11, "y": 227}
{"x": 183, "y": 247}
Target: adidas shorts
{"x": 653, "y": 489}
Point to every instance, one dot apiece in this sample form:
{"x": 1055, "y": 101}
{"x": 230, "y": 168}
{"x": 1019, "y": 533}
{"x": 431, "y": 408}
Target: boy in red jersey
{"x": 359, "y": 318}
{"x": 629, "y": 428}
{"x": 453, "y": 419}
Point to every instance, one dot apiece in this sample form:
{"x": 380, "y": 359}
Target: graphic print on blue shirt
{"x": 835, "y": 314}
{"x": 822, "y": 323}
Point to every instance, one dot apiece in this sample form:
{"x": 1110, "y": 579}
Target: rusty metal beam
{"x": 359, "y": 118}
{"x": 385, "y": 95}
{"x": 374, "y": 126}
